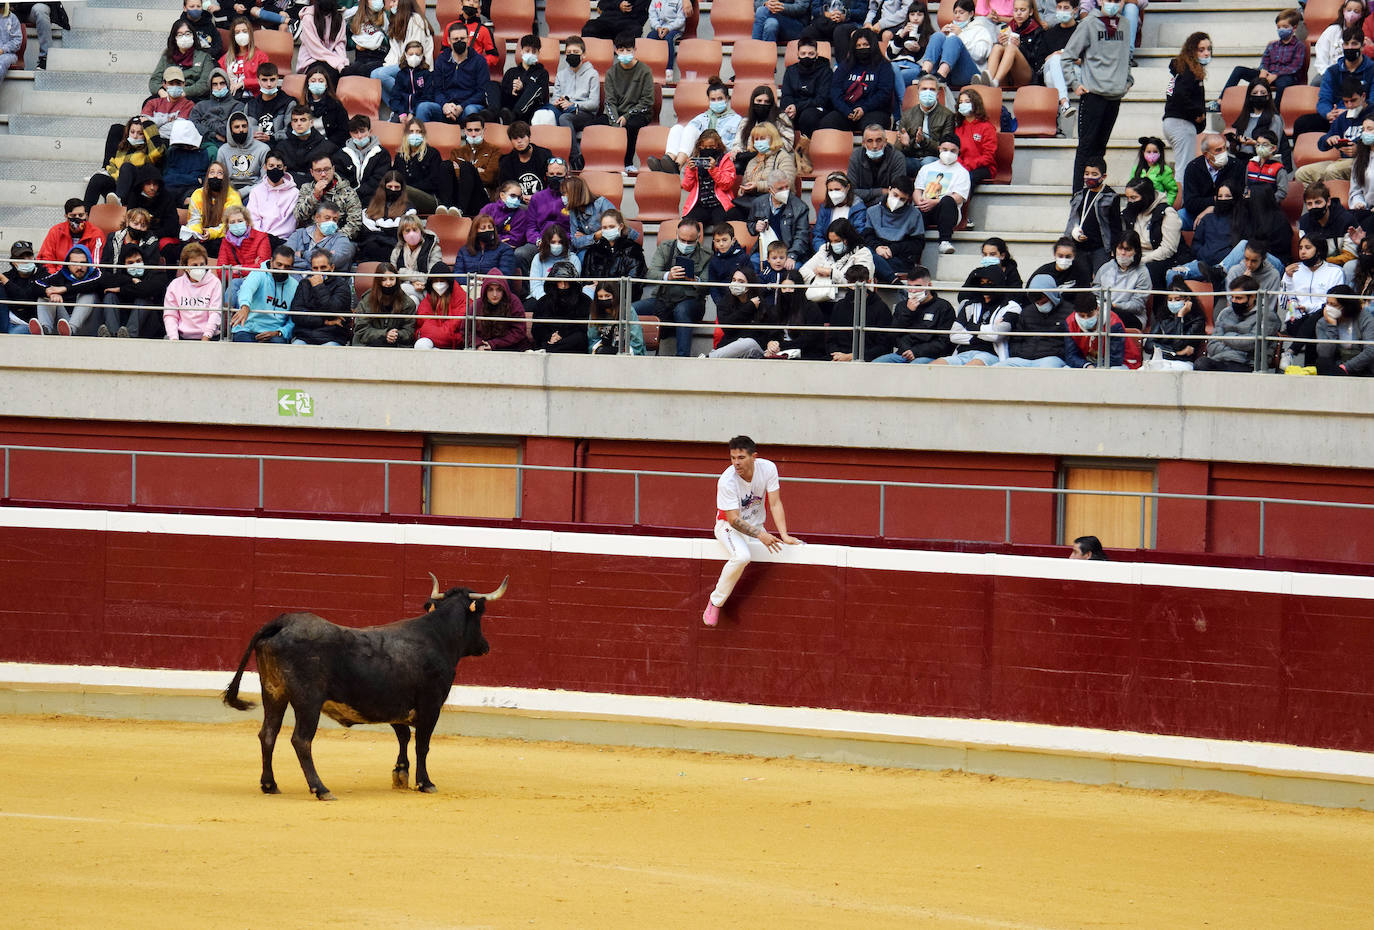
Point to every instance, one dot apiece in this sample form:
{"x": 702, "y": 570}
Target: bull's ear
{"x": 472, "y": 607}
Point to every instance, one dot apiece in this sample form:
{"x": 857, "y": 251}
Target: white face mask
{"x": 1063, "y": 264}
{"x": 195, "y": 274}
{"x": 1126, "y": 261}
{"x": 836, "y": 197}
{"x": 242, "y": 39}
{"x": 414, "y": 60}
{"x": 1086, "y": 322}
{"x": 737, "y": 288}
{"x": 895, "y": 203}
{"x": 947, "y": 157}
{"x": 780, "y": 197}
{"x": 1221, "y": 158}
{"x": 440, "y": 287}
{"x": 185, "y": 42}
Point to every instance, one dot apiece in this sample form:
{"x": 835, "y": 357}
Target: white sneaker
{"x": 632, "y": 170}
{"x": 946, "y": 247}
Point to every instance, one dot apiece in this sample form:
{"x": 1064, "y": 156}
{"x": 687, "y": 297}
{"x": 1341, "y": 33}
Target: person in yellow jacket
{"x": 205, "y": 221}
{"x": 141, "y": 145}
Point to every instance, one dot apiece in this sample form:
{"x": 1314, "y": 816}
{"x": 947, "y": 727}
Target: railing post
{"x": 1261, "y": 529}
{"x": 1104, "y": 328}
{"x": 623, "y": 318}
{"x": 856, "y": 346}
{"x": 636, "y": 499}
{"x": 7, "y": 472}
{"x": 474, "y": 291}
{"x": 1258, "y": 362}
{"x": 1006, "y": 518}
{"x": 133, "y": 478}
{"x": 386, "y": 487}
{"x": 1142, "y": 521}
{"x": 260, "y": 469}
{"x": 882, "y": 511}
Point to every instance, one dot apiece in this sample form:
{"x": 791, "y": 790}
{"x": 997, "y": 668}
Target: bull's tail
{"x": 231, "y": 693}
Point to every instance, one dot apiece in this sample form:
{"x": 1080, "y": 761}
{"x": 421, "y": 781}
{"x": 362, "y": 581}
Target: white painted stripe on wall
{"x": 986, "y": 735}
{"x": 664, "y": 547}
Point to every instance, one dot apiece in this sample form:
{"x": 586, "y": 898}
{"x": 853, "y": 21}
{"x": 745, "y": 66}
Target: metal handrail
{"x": 638, "y": 474}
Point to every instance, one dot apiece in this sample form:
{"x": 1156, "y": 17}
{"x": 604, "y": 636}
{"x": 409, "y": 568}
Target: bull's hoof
{"x": 427, "y": 789}
{"x": 325, "y": 795}
{"x": 271, "y": 789}
{"x": 400, "y": 778}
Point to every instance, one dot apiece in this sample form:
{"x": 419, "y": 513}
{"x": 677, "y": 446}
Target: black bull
{"x": 399, "y": 673}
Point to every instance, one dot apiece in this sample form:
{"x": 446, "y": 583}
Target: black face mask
{"x": 460, "y": 48}
{"x": 279, "y": 276}
{"x": 808, "y": 65}
{"x": 759, "y": 111}
{"x": 863, "y": 55}
{"x": 390, "y": 194}
{"x": 1352, "y": 55}
{"x": 215, "y": 184}
{"x": 487, "y": 237}
{"x": 711, "y": 153}
{"x": 238, "y": 138}
{"x": 605, "y": 301}
{"x": 276, "y": 174}
{"x": 389, "y": 288}
{"x": 1314, "y": 262}
{"x": 574, "y": 61}
{"x": 555, "y": 184}
{"x": 1259, "y": 103}
{"x": 471, "y": 13}
{"x": 1241, "y": 308}
{"x": 1223, "y": 207}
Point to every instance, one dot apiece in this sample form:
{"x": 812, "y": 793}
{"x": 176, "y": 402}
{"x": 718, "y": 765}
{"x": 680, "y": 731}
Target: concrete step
{"x": 127, "y": 18}
{"x": 1049, "y": 162}
{"x": 113, "y": 107}
{"x": 113, "y": 41}
{"x": 96, "y": 66}
{"x": 1170, "y": 26}
{"x": 1020, "y": 207}
{"x": 82, "y": 82}
{"x": 41, "y": 190}
{"x": 86, "y": 151}
{"x": 135, "y": 4}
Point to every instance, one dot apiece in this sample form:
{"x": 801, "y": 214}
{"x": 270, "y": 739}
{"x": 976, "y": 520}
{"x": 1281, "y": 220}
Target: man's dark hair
{"x": 1093, "y": 546}
{"x": 806, "y": 40}
{"x": 626, "y": 39}
{"x": 690, "y": 223}
{"x": 267, "y": 69}
{"x": 320, "y": 253}
{"x": 518, "y": 130}
{"x": 918, "y": 272}
{"x": 284, "y": 251}
{"x": 72, "y": 204}
{"x": 1064, "y": 242}
{"x": 1351, "y": 86}
{"x": 359, "y": 122}
{"x": 321, "y": 158}
{"x": 1098, "y": 162}
{"x": 744, "y": 444}
{"x": 531, "y": 41}
{"x": 723, "y": 229}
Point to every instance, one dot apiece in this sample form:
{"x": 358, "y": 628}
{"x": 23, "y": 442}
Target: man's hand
{"x": 790, "y": 263}
{"x": 884, "y": 251}
{"x": 909, "y": 355}
{"x": 790, "y": 540}
{"x": 676, "y": 273}
{"x": 760, "y": 226}
{"x": 240, "y": 315}
{"x": 774, "y": 6}
{"x": 770, "y": 542}
{"x": 842, "y": 356}
{"x": 626, "y": 6}
{"x": 321, "y": 188}
{"x": 856, "y": 114}
{"x": 620, "y": 122}
{"x": 516, "y": 84}
{"x": 263, "y": 136}
{"x": 207, "y": 338}
{"x": 555, "y": 339}
{"x": 264, "y": 337}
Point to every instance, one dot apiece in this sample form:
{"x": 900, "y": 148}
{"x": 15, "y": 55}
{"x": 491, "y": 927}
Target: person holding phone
{"x": 680, "y": 262}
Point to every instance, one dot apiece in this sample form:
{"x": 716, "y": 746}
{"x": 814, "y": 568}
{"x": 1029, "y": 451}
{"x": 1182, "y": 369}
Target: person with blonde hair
{"x": 417, "y": 251}
{"x": 242, "y": 249}
{"x": 422, "y": 167}
{"x": 194, "y": 303}
{"x": 770, "y": 157}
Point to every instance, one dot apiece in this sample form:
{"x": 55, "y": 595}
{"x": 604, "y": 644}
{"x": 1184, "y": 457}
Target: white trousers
{"x": 738, "y": 557}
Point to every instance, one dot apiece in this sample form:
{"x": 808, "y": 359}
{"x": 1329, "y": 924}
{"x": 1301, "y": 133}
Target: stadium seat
{"x": 443, "y": 137}
{"x": 566, "y": 18}
{"x": 830, "y": 151}
{"x": 107, "y": 217}
{"x": 699, "y": 59}
{"x": 1232, "y": 99}
{"x": 945, "y": 15}
{"x": 648, "y": 323}
{"x": 740, "y": 96}
{"x": 452, "y": 232}
{"x": 445, "y": 12}
{"x": 992, "y": 100}
{"x": 1297, "y": 100}
{"x": 693, "y": 19}
{"x": 732, "y": 20}
{"x": 497, "y": 135}
{"x": 361, "y": 96}
{"x": 608, "y": 184}
{"x": 557, "y": 139}
{"x": 363, "y": 277}
{"x": 279, "y": 47}
{"x": 1202, "y": 293}
{"x": 654, "y": 54}
{"x": 789, "y": 57}
{"x": 754, "y": 61}
{"x": 658, "y": 196}
{"x": 511, "y": 19}
{"x": 689, "y": 98}
{"x": 1305, "y": 150}
{"x": 1006, "y": 152}
{"x": 745, "y": 235}
{"x": 667, "y": 229}
{"x": 601, "y": 53}
{"x": 549, "y": 51}
{"x": 1036, "y": 110}
{"x": 293, "y": 85}
{"x": 653, "y": 140}
{"x": 603, "y": 148}
{"x": 388, "y": 135}
{"x": 1317, "y": 16}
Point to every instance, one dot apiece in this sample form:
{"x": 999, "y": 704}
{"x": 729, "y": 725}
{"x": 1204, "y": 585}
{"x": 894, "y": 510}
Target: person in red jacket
{"x": 243, "y": 249}
{"x": 74, "y": 230}
{"x": 481, "y": 38}
{"x": 977, "y": 138}
{"x": 442, "y": 311}
{"x": 709, "y": 180}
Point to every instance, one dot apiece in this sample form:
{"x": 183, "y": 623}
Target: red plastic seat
{"x": 603, "y": 148}
{"x": 658, "y": 196}
{"x": 1037, "y": 111}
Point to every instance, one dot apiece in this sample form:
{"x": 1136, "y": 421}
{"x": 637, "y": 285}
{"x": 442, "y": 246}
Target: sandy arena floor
{"x": 128, "y": 824}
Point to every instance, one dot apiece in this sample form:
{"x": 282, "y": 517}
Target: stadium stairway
{"x": 55, "y": 121}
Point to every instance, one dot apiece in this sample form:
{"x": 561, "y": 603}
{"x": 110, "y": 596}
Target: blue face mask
{"x": 686, "y": 248}
{"x": 987, "y": 260}
{"x": 1285, "y": 33}
{"x": 328, "y": 228}
{"x": 761, "y": 145}
{"x": 175, "y": 90}
{"x": 875, "y": 154}
{"x": 1064, "y": 16}
{"x": 927, "y": 98}
{"x": 625, "y": 59}
{"x": 317, "y": 87}
{"x": 238, "y": 229}
{"x": 414, "y": 140}
{"x": 219, "y": 93}
{"x": 529, "y": 59}
{"x": 718, "y": 106}
{"x": 612, "y": 234}
{"x": 1367, "y": 138}
{"x": 555, "y": 248}
{"x": 511, "y": 203}
{"x": 193, "y": 15}
{"x": 1110, "y": 8}
{"x": 965, "y": 109}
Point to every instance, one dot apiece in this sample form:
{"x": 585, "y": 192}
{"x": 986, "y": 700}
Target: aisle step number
{"x": 291, "y": 403}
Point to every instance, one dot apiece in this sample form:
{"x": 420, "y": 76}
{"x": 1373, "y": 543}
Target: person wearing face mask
{"x": 1266, "y": 171}
{"x": 771, "y": 158}
{"x": 839, "y": 339}
{"x": 500, "y": 324}
{"x": 272, "y": 201}
{"x": 1203, "y": 175}
{"x": 194, "y": 63}
{"x": 362, "y": 161}
{"x": 415, "y": 253}
{"x": 367, "y": 34}
{"x": 128, "y": 291}
{"x": 905, "y": 40}
{"x": 23, "y": 288}
{"x": 923, "y": 126}
{"x": 323, "y": 37}
{"x": 617, "y": 17}
{"x": 325, "y": 234}
{"x": 241, "y": 154}
{"x": 481, "y": 156}
{"x": 1341, "y": 138}
{"x": 269, "y": 109}
{"x": 1174, "y": 343}
{"x": 202, "y": 24}
{"x": 412, "y": 86}
{"x": 862, "y": 89}
{"x": 1083, "y": 344}
{"x": 1257, "y": 115}
{"x": 554, "y": 249}
{"x": 205, "y": 219}
{"x": 1284, "y": 62}
{"x": 941, "y": 190}
{"x": 1126, "y": 277}
{"x": 459, "y": 86}
{"x": 242, "y": 59}
{"x": 1061, "y": 21}
{"x": 896, "y": 233}
{"x": 484, "y": 250}
{"x": 561, "y": 316}
{"x": 263, "y": 306}
{"x": 603, "y": 329}
{"x": 525, "y": 85}
{"x": 322, "y": 304}
{"x": 1036, "y": 337}
{"x": 666, "y": 22}
{"x": 682, "y": 138}
{"x": 805, "y": 96}
{"x": 421, "y": 165}
{"x": 977, "y": 138}
{"x": 837, "y": 203}
{"x": 1067, "y": 268}
{"x": 1306, "y": 281}
{"x": 547, "y": 207}
{"x": 514, "y": 223}
{"x": 171, "y": 103}
{"x": 1149, "y": 215}
{"x": 303, "y": 144}
{"x": 709, "y": 180}
{"x": 576, "y": 94}
{"x": 763, "y": 108}
{"x": 407, "y": 23}
{"x": 194, "y": 302}
{"x": 1212, "y": 241}
{"x": 150, "y": 195}
{"x": 1352, "y": 63}
{"x": 69, "y": 300}
{"x": 242, "y": 249}
{"x": 1362, "y": 171}
{"x": 441, "y": 312}
{"x": 1100, "y": 48}
{"x": 844, "y": 248}
{"x": 682, "y": 263}
{"x": 527, "y": 163}
{"x": 210, "y": 115}
{"x": 390, "y": 204}
{"x": 920, "y": 308}
{"x": 628, "y": 95}
{"x": 1327, "y": 50}
{"x": 1345, "y": 323}
{"x": 327, "y": 112}
{"x": 1185, "y": 106}
{"x": 1150, "y": 163}
{"x": 386, "y": 315}
{"x": 782, "y": 217}
{"x": 74, "y": 230}
{"x": 738, "y": 317}
{"x": 1326, "y": 220}
{"x": 326, "y": 185}
{"x": 140, "y": 143}
{"x": 981, "y": 324}
{"x": 875, "y": 166}
{"x": 1232, "y": 346}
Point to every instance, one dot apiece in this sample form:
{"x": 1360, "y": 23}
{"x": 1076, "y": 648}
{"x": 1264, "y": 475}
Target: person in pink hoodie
{"x": 323, "y": 36}
{"x": 195, "y": 300}
{"x": 272, "y": 202}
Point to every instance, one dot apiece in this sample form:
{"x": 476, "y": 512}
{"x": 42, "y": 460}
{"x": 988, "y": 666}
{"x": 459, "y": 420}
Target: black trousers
{"x": 837, "y": 120}
{"x": 944, "y": 216}
{"x": 1096, "y": 120}
{"x": 808, "y": 120}
{"x": 1211, "y": 364}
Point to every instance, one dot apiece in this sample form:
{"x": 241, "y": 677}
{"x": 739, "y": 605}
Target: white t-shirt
{"x": 734, "y": 493}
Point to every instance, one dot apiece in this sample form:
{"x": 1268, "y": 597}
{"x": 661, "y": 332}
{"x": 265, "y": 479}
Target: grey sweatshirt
{"x": 243, "y": 161}
{"x": 210, "y": 116}
{"x": 1106, "y": 62}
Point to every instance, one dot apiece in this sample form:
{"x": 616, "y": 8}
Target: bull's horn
{"x": 495, "y": 595}
{"x": 434, "y": 595}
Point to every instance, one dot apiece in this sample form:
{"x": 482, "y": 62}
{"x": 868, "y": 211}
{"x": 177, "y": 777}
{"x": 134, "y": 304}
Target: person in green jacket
{"x": 629, "y": 95}
{"x": 603, "y": 330}
{"x": 1150, "y": 163}
{"x": 183, "y": 52}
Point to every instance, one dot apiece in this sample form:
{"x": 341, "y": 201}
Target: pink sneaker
{"x": 711, "y": 615}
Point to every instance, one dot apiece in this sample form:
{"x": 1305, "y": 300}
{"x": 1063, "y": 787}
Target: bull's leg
{"x": 273, "y": 709}
{"x": 424, "y": 726}
{"x": 400, "y": 775}
{"x": 307, "y": 721}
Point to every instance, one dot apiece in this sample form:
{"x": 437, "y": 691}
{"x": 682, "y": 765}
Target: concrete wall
{"x": 1193, "y": 416}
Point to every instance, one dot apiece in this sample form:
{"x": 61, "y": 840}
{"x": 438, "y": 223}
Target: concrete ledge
{"x": 1294, "y": 774}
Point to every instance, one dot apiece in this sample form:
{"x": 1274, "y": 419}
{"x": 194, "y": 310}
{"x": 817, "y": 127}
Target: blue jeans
{"x": 905, "y": 73}
{"x": 770, "y": 26}
{"x": 914, "y": 165}
{"x": 949, "y": 50}
{"x": 671, "y": 39}
{"x": 302, "y": 342}
{"x": 898, "y": 358}
{"x": 431, "y": 112}
{"x": 245, "y": 336}
{"x": 685, "y": 312}
{"x": 969, "y": 355}
{"x": 17, "y": 326}
{"x": 1050, "y": 361}
{"x": 387, "y": 75}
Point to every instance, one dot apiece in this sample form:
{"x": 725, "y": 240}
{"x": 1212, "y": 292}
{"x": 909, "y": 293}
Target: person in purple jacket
{"x": 547, "y": 206}
{"x": 514, "y": 223}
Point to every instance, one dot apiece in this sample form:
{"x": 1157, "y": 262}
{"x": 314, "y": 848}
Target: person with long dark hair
{"x": 603, "y": 328}
{"x": 1344, "y": 324}
{"x": 862, "y": 90}
{"x": 386, "y": 315}
{"x": 1174, "y": 343}
{"x": 741, "y": 307}
{"x": 1185, "y": 106}
{"x": 182, "y": 52}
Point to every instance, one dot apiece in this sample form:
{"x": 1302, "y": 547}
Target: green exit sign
{"x": 291, "y": 403}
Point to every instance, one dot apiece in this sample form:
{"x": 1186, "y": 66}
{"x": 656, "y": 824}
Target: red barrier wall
{"x": 1234, "y": 665}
